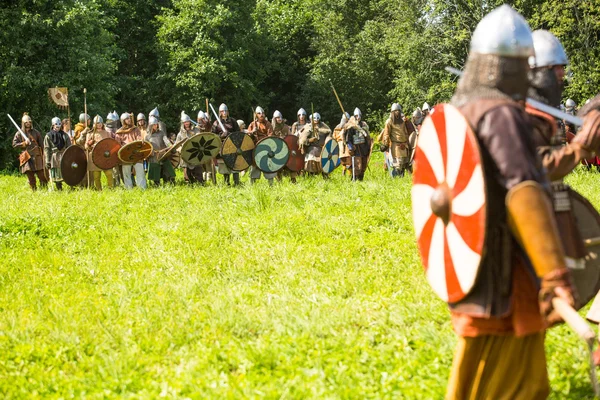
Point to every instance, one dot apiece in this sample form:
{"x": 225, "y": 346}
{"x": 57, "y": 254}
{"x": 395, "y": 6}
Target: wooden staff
{"x": 86, "y": 127}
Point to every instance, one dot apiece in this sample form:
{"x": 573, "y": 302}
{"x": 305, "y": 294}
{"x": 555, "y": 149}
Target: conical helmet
{"x": 154, "y": 113}
{"x": 185, "y": 117}
{"x": 98, "y": 119}
{"x": 548, "y": 50}
{"x": 503, "y": 32}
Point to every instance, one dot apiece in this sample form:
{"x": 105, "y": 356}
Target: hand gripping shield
{"x": 237, "y": 151}
{"x": 200, "y": 148}
{"x": 330, "y": 156}
{"x": 271, "y": 154}
{"x": 296, "y": 161}
{"x": 73, "y": 165}
{"x": 449, "y": 203}
{"x": 135, "y": 152}
{"x": 105, "y": 154}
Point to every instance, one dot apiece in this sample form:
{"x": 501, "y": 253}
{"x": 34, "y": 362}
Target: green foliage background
{"x": 135, "y": 55}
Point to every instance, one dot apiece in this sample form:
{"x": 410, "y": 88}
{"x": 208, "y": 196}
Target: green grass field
{"x": 312, "y": 290}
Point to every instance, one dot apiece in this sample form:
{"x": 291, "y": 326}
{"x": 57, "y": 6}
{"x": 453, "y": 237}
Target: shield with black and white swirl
{"x": 449, "y": 203}
{"x": 330, "y": 156}
{"x": 271, "y": 154}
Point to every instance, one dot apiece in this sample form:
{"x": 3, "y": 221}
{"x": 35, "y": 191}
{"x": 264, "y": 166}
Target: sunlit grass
{"x": 312, "y": 290}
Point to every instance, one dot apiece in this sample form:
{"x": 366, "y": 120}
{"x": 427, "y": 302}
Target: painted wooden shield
{"x": 237, "y": 151}
{"x": 170, "y": 151}
{"x": 449, "y": 203}
{"x": 271, "y": 154}
{"x": 330, "y": 156}
{"x": 73, "y": 165}
{"x": 586, "y": 273}
{"x": 135, "y": 152}
{"x": 175, "y": 159}
{"x": 296, "y": 161}
{"x": 200, "y": 148}
{"x": 105, "y": 154}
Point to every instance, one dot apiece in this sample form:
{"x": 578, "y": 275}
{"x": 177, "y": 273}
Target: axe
{"x": 583, "y": 330}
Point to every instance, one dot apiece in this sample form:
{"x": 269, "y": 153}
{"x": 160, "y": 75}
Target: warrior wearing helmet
{"x": 259, "y": 129}
{"x": 230, "y": 126}
{"x": 312, "y": 142}
{"x": 126, "y": 134}
{"x": 395, "y": 140}
{"x": 55, "y": 144}
{"x": 160, "y": 142}
{"x": 345, "y": 158}
{"x": 300, "y": 123}
{"x": 505, "y": 314}
{"x": 281, "y": 129}
{"x": 191, "y": 173}
{"x": 80, "y": 134}
{"x": 208, "y": 168}
{"x": 97, "y": 134}
{"x": 142, "y": 125}
{"x": 81, "y": 129}
{"x": 31, "y": 159}
{"x": 111, "y": 126}
{"x": 356, "y": 136}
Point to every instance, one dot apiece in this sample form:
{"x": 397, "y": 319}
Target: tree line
{"x": 281, "y": 54}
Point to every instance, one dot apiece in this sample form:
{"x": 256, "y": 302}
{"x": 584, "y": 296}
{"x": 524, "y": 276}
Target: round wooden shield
{"x": 135, "y": 152}
{"x": 449, "y": 202}
{"x": 237, "y": 151}
{"x": 330, "y": 156}
{"x": 296, "y": 161}
{"x": 586, "y": 276}
{"x": 271, "y": 154}
{"x": 105, "y": 154}
{"x": 200, "y": 148}
{"x": 175, "y": 159}
{"x": 73, "y": 165}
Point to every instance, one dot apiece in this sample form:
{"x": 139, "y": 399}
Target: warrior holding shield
{"x": 129, "y": 133}
{"x": 55, "y": 144}
{"x": 160, "y": 142}
{"x": 484, "y": 221}
{"x": 230, "y": 126}
{"x": 98, "y": 133}
{"x": 204, "y": 125}
{"x": 312, "y": 141}
{"x": 259, "y": 129}
{"x": 191, "y": 173}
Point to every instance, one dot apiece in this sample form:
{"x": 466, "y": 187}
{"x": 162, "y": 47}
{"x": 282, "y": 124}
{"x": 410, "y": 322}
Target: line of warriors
{"x": 41, "y": 156}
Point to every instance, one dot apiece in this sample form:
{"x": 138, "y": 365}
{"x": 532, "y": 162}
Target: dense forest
{"x": 281, "y": 54}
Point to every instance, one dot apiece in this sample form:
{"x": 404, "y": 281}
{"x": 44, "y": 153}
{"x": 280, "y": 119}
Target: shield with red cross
{"x": 449, "y": 203}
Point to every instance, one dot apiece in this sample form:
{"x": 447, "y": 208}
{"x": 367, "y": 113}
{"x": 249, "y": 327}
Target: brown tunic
{"x": 558, "y": 160}
{"x": 92, "y": 139}
{"x": 260, "y": 129}
{"x": 504, "y": 299}
{"x": 36, "y": 162}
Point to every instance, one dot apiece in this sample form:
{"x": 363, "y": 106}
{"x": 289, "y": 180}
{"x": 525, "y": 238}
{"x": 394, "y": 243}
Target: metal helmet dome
{"x": 98, "y": 119}
{"x": 56, "y": 121}
{"x": 548, "y": 50}
{"x": 503, "y": 32}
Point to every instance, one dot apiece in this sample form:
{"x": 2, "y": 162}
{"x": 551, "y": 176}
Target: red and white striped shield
{"x": 449, "y": 203}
